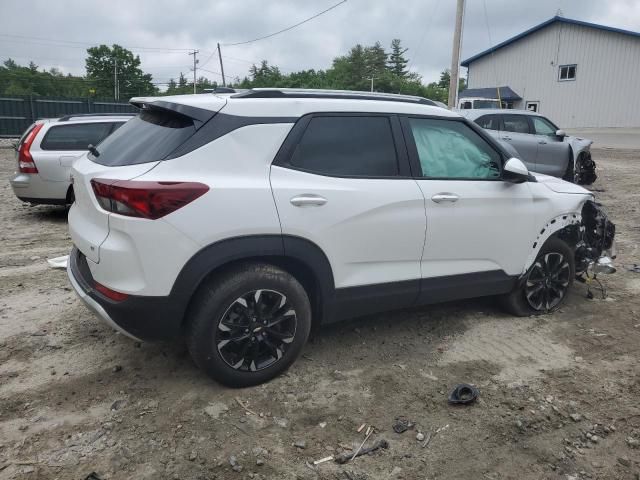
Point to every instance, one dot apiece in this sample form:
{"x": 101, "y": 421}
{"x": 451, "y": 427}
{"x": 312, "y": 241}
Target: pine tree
{"x": 397, "y": 62}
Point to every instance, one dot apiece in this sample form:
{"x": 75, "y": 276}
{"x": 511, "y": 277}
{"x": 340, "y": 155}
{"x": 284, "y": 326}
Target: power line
{"x": 285, "y": 29}
{"x": 84, "y": 44}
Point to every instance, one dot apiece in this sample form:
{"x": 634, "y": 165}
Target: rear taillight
{"x": 145, "y": 199}
{"x": 25, "y": 160}
{"x": 111, "y": 294}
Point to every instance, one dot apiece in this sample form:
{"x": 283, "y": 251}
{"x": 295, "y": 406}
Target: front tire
{"x": 249, "y": 325}
{"x": 547, "y": 282}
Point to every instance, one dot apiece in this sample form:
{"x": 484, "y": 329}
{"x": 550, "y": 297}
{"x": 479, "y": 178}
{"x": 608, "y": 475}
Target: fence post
{"x": 31, "y": 110}
{"x": 89, "y": 105}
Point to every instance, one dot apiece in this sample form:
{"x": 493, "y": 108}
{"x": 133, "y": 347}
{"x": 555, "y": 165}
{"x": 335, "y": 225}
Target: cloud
{"x": 424, "y": 26}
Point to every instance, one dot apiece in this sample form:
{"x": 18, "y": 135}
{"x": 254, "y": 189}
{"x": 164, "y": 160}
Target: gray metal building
{"x": 576, "y": 73}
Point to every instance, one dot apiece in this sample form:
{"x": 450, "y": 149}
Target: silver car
{"x": 48, "y": 148}
{"x": 540, "y": 144}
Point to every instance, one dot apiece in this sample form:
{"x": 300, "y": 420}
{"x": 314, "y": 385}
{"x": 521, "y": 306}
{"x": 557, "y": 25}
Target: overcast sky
{"x": 424, "y": 26}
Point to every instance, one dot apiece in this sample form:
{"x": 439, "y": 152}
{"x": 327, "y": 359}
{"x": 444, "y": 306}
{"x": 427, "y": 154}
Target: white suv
{"x": 47, "y": 149}
{"x": 242, "y": 221}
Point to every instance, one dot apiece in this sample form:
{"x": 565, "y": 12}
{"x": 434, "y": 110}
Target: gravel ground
{"x": 558, "y": 393}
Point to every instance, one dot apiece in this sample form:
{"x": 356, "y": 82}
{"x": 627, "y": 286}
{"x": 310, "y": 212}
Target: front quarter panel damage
{"x": 586, "y": 229}
{"x": 553, "y": 226}
{"x": 583, "y": 165}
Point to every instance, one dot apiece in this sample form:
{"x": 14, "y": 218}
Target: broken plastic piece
{"x": 402, "y": 425}
{"x": 58, "y": 262}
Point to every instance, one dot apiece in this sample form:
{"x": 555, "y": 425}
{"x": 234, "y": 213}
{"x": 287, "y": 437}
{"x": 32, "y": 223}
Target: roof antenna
{"x": 559, "y": 13}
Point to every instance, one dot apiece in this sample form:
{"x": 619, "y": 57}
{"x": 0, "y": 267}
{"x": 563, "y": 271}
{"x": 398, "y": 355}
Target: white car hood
{"x": 558, "y": 185}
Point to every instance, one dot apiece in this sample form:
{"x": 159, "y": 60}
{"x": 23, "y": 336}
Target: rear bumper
{"x": 138, "y": 317}
{"x": 32, "y": 188}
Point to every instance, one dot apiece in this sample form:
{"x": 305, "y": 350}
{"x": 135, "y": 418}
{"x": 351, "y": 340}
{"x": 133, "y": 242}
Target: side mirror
{"x": 561, "y": 133}
{"x": 515, "y": 171}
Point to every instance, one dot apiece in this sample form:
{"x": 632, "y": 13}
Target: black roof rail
{"x": 66, "y": 118}
{"x": 336, "y": 94}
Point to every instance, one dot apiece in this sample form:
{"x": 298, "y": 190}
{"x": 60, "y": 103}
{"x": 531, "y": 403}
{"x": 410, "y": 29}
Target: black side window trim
{"x": 220, "y": 125}
{"x": 284, "y": 155}
{"x": 43, "y": 142}
{"x": 415, "y": 159}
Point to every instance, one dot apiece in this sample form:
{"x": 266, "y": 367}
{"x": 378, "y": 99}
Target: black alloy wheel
{"x": 256, "y": 330}
{"x": 548, "y": 281}
{"x": 248, "y": 324}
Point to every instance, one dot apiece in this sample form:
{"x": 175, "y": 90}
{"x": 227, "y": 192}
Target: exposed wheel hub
{"x": 547, "y": 281}
{"x": 256, "y": 330}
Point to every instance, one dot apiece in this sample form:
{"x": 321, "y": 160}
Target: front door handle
{"x": 506, "y": 137}
{"x": 445, "y": 197}
{"x": 542, "y": 142}
{"x": 308, "y": 200}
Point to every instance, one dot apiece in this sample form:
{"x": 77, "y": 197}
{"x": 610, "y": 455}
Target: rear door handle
{"x": 445, "y": 197}
{"x": 542, "y": 142}
{"x": 308, "y": 200}
{"x": 506, "y": 138}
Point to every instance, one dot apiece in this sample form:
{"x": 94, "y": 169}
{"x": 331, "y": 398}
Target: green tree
{"x": 101, "y": 63}
{"x": 18, "y": 80}
{"x": 397, "y": 63}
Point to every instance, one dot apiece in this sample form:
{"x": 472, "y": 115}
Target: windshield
{"x": 149, "y": 137}
{"x": 485, "y": 104}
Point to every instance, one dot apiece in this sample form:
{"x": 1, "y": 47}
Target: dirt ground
{"x": 558, "y": 394}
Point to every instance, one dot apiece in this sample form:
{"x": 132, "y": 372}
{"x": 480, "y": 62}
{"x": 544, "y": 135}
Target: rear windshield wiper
{"x": 94, "y": 151}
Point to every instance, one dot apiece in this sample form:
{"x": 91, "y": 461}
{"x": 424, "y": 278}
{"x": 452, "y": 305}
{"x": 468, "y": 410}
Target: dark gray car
{"x": 540, "y": 144}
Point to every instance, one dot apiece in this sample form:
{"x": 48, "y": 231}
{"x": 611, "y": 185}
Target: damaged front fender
{"x": 584, "y": 168}
{"x": 589, "y": 232}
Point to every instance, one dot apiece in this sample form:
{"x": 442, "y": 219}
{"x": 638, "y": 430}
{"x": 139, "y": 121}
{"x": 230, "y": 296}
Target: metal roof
{"x": 465, "y": 63}
{"x": 505, "y": 93}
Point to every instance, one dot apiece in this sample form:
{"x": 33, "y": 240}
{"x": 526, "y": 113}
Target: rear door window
{"x": 75, "y": 136}
{"x": 347, "y": 146}
{"x": 149, "y": 137}
{"x": 516, "y": 123}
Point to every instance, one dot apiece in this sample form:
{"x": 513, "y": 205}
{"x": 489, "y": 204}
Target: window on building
{"x": 347, "y": 146}
{"x": 567, "y": 72}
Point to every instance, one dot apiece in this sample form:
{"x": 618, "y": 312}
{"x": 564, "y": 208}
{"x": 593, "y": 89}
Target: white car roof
{"x": 298, "y": 102}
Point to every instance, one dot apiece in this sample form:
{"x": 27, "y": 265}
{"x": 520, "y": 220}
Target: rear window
{"x": 75, "y": 136}
{"x": 149, "y": 137}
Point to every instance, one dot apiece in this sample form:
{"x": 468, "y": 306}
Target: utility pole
{"x": 115, "y": 78}
{"x": 195, "y": 62}
{"x": 224, "y": 83}
{"x": 455, "y": 56}
{"x": 372, "y": 79}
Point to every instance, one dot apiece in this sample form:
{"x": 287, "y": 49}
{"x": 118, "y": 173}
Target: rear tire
{"x": 547, "y": 282}
{"x": 248, "y": 325}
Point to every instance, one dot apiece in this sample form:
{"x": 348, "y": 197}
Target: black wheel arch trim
{"x": 266, "y": 248}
